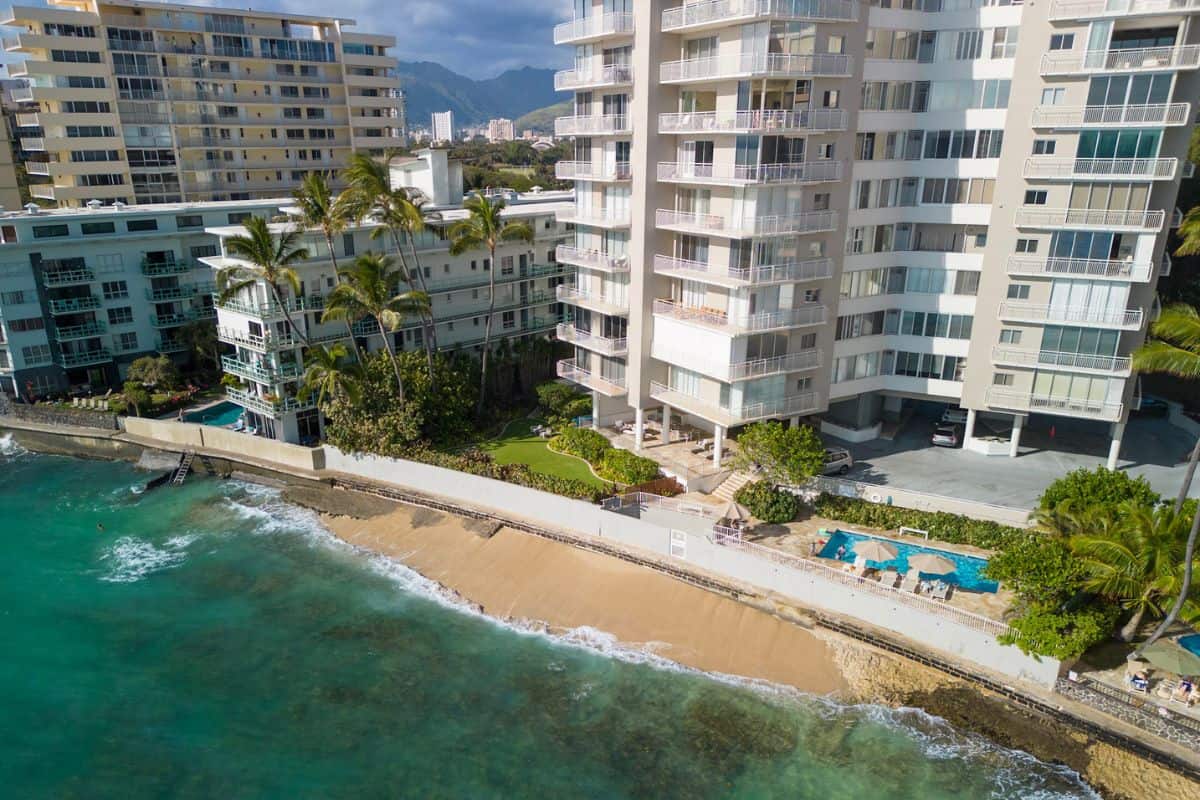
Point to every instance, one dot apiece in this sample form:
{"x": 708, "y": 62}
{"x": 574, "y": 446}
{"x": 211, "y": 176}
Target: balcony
{"x": 755, "y": 65}
{"x": 777, "y": 225}
{"x": 1164, "y": 268}
{"x": 591, "y": 259}
{"x": 67, "y": 277}
{"x": 259, "y": 372}
{"x": 789, "y": 406}
{"x": 264, "y": 343}
{"x": 739, "y": 324}
{"x": 566, "y": 332}
{"x": 762, "y": 367}
{"x": 272, "y": 408}
{"x": 814, "y": 120}
{"x": 1097, "y": 219}
{"x": 1043, "y": 404}
{"x": 73, "y": 305}
{"x": 156, "y": 269}
{"x": 1119, "y": 366}
{"x": 84, "y": 358}
{"x": 590, "y": 171}
{"x": 168, "y": 293}
{"x": 1111, "y": 116}
{"x": 167, "y": 344}
{"x": 610, "y": 76}
{"x": 1176, "y": 217}
{"x": 609, "y": 387}
{"x": 1118, "y": 270}
{"x": 592, "y": 125}
{"x": 33, "y": 144}
{"x": 595, "y": 301}
{"x": 1096, "y": 9}
{"x": 272, "y": 310}
{"x": 1055, "y": 168}
{"x": 726, "y": 12}
{"x": 85, "y": 331}
{"x": 1127, "y": 320}
{"x": 814, "y": 269}
{"x": 748, "y": 174}
{"x": 170, "y": 320}
{"x": 595, "y": 218}
{"x": 1138, "y": 59}
{"x": 590, "y": 28}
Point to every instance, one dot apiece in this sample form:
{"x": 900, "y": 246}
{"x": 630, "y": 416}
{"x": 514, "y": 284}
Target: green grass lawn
{"x": 517, "y": 444}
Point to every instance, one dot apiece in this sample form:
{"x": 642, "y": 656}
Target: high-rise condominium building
{"x": 793, "y": 207}
{"x": 500, "y": 130}
{"x": 442, "y": 127}
{"x": 158, "y": 102}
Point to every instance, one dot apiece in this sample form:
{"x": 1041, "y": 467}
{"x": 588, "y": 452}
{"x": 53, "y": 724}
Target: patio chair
{"x": 703, "y": 446}
{"x": 888, "y": 578}
{"x": 940, "y": 591}
{"x": 911, "y": 582}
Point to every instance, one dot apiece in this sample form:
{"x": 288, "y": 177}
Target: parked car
{"x": 947, "y": 435}
{"x": 837, "y": 462}
{"x": 954, "y": 416}
{"x": 1153, "y": 406}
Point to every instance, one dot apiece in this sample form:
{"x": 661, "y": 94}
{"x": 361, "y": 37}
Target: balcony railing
{"x": 73, "y": 305}
{"x": 746, "y": 65}
{"x": 1037, "y": 217}
{"x": 788, "y": 406}
{"x": 721, "y": 11}
{"x": 67, "y": 277}
{"x": 85, "y": 331}
{"x": 588, "y": 170}
{"x": 806, "y": 315}
{"x": 593, "y": 27}
{"x": 1137, "y": 59}
{"x": 1045, "y": 404}
{"x": 265, "y": 343}
{"x": 268, "y": 310}
{"x": 84, "y": 358}
{"x": 1071, "y": 361}
{"x": 610, "y": 387}
{"x": 1127, "y": 319}
{"x": 777, "y": 225}
{"x": 592, "y": 259}
{"x": 597, "y": 218}
{"x": 260, "y": 372}
{"x": 567, "y": 332}
{"x": 761, "y": 367}
{"x": 1127, "y": 269}
{"x": 1164, "y": 268}
{"x": 605, "y": 304}
{"x": 1051, "y": 167}
{"x": 1093, "y": 9}
{"x": 181, "y": 292}
{"x": 821, "y": 119}
{"x": 592, "y": 125}
{"x": 168, "y": 267}
{"x": 271, "y": 408}
{"x": 33, "y": 144}
{"x": 615, "y": 75}
{"x": 1104, "y": 116}
{"x": 800, "y": 172}
{"x": 809, "y": 270}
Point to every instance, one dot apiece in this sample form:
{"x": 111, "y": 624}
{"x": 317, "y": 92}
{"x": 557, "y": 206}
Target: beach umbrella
{"x": 736, "y": 511}
{"x": 875, "y": 550}
{"x": 1173, "y": 658}
{"x": 928, "y": 562}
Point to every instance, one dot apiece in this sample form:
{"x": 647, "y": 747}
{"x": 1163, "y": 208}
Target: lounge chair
{"x": 911, "y": 582}
{"x": 940, "y": 591}
{"x": 238, "y": 426}
{"x": 888, "y": 578}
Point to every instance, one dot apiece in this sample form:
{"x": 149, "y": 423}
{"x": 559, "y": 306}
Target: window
{"x": 135, "y": 225}
{"x": 238, "y": 217}
{"x": 1002, "y": 379}
{"x": 348, "y": 243}
{"x": 1052, "y": 97}
{"x": 86, "y": 106}
{"x": 1010, "y": 336}
{"x": 1027, "y": 245}
{"x": 508, "y": 320}
{"x": 115, "y": 290}
{"x": 75, "y": 56}
{"x": 831, "y": 99}
{"x": 120, "y": 316}
{"x": 1004, "y": 42}
{"x": 94, "y": 228}
{"x": 204, "y": 250}
{"x": 127, "y": 341}
{"x": 1035, "y": 197}
{"x": 90, "y": 131}
{"x": 1062, "y": 41}
{"x": 1043, "y": 147}
{"x": 12, "y": 298}
{"x": 1018, "y": 291}
{"x": 24, "y": 325}
{"x": 36, "y": 354}
{"x": 49, "y": 231}
{"x": 189, "y": 221}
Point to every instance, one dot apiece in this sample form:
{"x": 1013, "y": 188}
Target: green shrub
{"x": 1094, "y": 488}
{"x": 1041, "y": 569}
{"x": 1059, "y": 634}
{"x": 767, "y": 502}
{"x": 950, "y": 528}
{"x": 476, "y": 462}
{"x": 588, "y": 444}
{"x": 623, "y": 466}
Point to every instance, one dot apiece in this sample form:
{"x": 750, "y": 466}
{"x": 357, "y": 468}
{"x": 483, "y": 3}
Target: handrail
{"x": 1056, "y": 167}
{"x": 593, "y": 259}
{"x": 592, "y": 124}
{"x": 1050, "y": 358}
{"x": 567, "y": 332}
{"x": 1152, "y": 114}
{"x": 609, "y": 75}
{"x": 1092, "y": 267}
{"x": 808, "y": 270}
{"x": 1034, "y": 216}
{"x": 1102, "y": 316}
{"x": 749, "y": 64}
{"x": 599, "y": 25}
{"x": 817, "y": 119}
{"x": 1028, "y": 401}
{"x": 809, "y": 314}
{"x": 1121, "y": 60}
{"x": 1091, "y": 9}
{"x": 800, "y": 172}
{"x": 703, "y": 13}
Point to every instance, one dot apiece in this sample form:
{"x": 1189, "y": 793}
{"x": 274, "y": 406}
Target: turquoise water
{"x": 214, "y": 642}
{"x": 222, "y": 414}
{"x": 1191, "y": 642}
{"x": 968, "y": 572}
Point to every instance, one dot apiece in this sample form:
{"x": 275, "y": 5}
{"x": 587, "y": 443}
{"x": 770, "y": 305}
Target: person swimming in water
{"x": 99, "y": 527}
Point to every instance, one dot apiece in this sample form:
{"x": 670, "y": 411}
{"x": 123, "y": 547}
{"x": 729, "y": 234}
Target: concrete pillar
{"x": 718, "y": 440}
{"x": 1114, "y": 447}
{"x": 595, "y": 411}
{"x": 1015, "y": 441}
{"x": 639, "y": 428}
{"x": 970, "y": 429}
{"x": 666, "y": 424}
{"x": 794, "y": 422}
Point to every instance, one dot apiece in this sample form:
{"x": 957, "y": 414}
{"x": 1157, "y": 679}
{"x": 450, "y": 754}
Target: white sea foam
{"x": 130, "y": 559}
{"x": 10, "y": 448}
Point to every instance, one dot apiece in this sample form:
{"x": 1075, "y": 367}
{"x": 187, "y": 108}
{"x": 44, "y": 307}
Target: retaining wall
{"x": 190, "y": 436}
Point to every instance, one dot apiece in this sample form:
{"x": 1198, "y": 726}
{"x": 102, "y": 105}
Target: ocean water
{"x": 212, "y": 641}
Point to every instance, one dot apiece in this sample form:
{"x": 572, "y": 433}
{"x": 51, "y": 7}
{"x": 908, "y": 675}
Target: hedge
{"x": 588, "y": 444}
{"x": 950, "y": 528}
{"x": 476, "y": 462}
{"x": 767, "y": 502}
{"x": 623, "y": 466}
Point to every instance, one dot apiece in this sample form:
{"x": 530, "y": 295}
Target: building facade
{"x": 797, "y": 207}
{"x": 147, "y": 102}
{"x": 500, "y": 130}
{"x": 441, "y": 127}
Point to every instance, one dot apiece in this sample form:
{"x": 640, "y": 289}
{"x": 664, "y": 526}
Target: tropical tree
{"x": 371, "y": 288}
{"x": 485, "y": 229}
{"x": 158, "y": 371}
{"x": 330, "y": 214}
{"x": 788, "y": 456}
{"x": 270, "y": 260}
{"x": 1175, "y": 350}
{"x": 200, "y": 337}
{"x": 136, "y": 395}
{"x": 329, "y": 373}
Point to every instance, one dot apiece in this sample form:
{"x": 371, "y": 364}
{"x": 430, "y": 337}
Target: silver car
{"x": 946, "y": 436}
{"x": 837, "y": 462}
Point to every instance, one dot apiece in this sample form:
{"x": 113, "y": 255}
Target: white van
{"x": 954, "y": 416}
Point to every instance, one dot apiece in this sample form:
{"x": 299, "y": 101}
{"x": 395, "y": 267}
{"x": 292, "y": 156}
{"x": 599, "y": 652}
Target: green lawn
{"x": 517, "y": 444}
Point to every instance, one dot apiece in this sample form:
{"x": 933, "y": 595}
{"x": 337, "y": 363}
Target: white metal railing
{"x": 567, "y": 332}
{"x": 587, "y": 125}
{"x": 269, "y": 407}
{"x": 708, "y": 223}
{"x": 800, "y": 172}
{"x": 604, "y": 219}
{"x": 645, "y": 500}
{"x": 37, "y": 167}
{"x": 271, "y": 341}
{"x": 22, "y": 94}
{"x": 1036, "y": 217}
{"x": 759, "y": 367}
{"x": 776, "y": 225}
{"x": 1127, "y": 269}
{"x": 1090, "y": 9}
{"x": 808, "y": 270}
{"x": 820, "y": 119}
{"x": 1059, "y": 167}
{"x": 587, "y": 27}
{"x": 1073, "y": 406}
{"x": 1135, "y": 58}
{"x": 791, "y": 405}
{"x": 33, "y": 143}
{"x": 808, "y": 314}
{"x": 1125, "y": 318}
{"x": 592, "y": 259}
{"x": 1080, "y": 116}
{"x": 605, "y": 76}
{"x": 1176, "y": 217}
{"x": 570, "y": 293}
{"x": 569, "y": 369}
{"x": 1164, "y": 268}
{"x": 1050, "y": 358}
{"x": 571, "y": 170}
{"x": 760, "y": 64}
{"x": 710, "y": 11}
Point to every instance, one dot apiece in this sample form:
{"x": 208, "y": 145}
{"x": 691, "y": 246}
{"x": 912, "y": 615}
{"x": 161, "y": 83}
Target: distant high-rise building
{"x": 442, "y": 126}
{"x": 148, "y": 102}
{"x": 500, "y": 130}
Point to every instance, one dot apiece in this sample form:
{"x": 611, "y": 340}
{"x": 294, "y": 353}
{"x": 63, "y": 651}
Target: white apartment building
{"x": 268, "y": 356}
{"x": 441, "y": 127}
{"x": 84, "y": 292}
{"x": 147, "y": 102}
{"x": 798, "y": 207}
{"x": 500, "y": 130}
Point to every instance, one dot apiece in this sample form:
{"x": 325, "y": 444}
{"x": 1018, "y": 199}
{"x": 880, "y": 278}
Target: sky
{"x": 477, "y": 38}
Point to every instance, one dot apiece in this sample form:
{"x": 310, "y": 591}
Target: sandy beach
{"x": 514, "y": 575}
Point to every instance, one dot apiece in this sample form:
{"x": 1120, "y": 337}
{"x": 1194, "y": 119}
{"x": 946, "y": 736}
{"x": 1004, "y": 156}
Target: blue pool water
{"x": 967, "y": 576}
{"x": 1191, "y": 643}
{"x": 221, "y": 415}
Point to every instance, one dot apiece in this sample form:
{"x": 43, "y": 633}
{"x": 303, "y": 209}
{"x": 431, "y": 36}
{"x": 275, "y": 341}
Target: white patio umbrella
{"x": 875, "y": 550}
{"x": 736, "y": 511}
{"x": 934, "y": 565}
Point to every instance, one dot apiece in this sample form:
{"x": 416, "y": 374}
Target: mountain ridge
{"x": 430, "y": 87}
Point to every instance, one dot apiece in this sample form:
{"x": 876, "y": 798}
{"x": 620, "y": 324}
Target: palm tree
{"x": 1065, "y": 520}
{"x": 329, "y": 374}
{"x": 1175, "y": 351}
{"x": 371, "y": 288}
{"x": 201, "y": 338}
{"x": 1135, "y": 562}
{"x": 270, "y": 261}
{"x": 484, "y": 228}
{"x": 320, "y": 209}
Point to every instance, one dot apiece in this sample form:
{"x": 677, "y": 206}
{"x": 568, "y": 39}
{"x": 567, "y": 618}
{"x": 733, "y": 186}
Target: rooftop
{"x": 150, "y": 208}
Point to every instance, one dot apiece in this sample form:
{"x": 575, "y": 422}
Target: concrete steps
{"x": 730, "y": 485}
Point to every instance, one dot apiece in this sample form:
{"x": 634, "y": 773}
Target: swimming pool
{"x": 967, "y": 575}
{"x": 222, "y": 415}
{"x": 1191, "y": 643}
